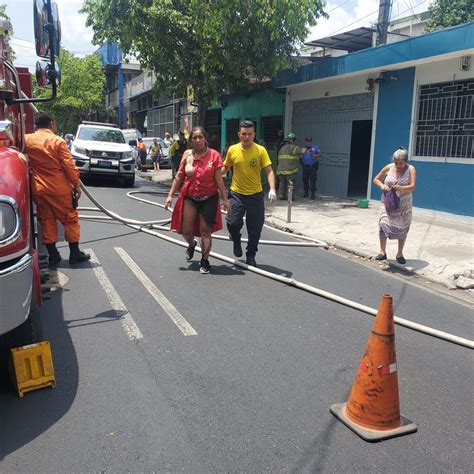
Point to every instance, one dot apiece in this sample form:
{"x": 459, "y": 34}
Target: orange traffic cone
{"x": 373, "y": 408}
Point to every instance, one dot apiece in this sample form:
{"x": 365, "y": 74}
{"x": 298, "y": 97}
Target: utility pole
{"x": 382, "y": 23}
{"x": 121, "y": 117}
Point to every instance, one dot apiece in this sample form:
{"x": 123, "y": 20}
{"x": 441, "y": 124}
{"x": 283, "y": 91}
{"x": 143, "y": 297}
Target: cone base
{"x": 367, "y": 434}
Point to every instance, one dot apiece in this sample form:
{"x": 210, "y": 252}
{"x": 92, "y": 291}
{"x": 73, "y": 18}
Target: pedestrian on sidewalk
{"x": 177, "y": 150}
{"x": 168, "y": 140}
{"x": 246, "y": 192}
{"x": 400, "y": 177}
{"x": 310, "y": 166}
{"x": 141, "y": 148}
{"x": 55, "y": 186}
{"x": 288, "y": 165}
{"x": 197, "y": 211}
{"x": 156, "y": 153}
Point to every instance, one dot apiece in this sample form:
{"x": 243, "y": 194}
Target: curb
{"x": 358, "y": 253}
{"x": 271, "y": 222}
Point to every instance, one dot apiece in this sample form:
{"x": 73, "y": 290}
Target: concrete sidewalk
{"x": 439, "y": 247}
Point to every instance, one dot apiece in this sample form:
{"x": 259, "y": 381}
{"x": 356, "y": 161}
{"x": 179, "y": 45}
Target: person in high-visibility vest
{"x": 288, "y": 164}
{"x": 177, "y": 150}
{"x": 142, "y": 152}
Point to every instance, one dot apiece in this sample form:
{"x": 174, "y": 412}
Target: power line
{"x": 354, "y": 22}
{"x": 338, "y": 6}
{"x": 14, "y": 38}
{"x": 409, "y": 5}
{"x": 372, "y": 13}
{"x": 411, "y": 8}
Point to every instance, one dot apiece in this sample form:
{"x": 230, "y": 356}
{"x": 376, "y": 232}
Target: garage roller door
{"x": 329, "y": 122}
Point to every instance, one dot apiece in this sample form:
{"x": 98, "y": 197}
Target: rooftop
{"x": 353, "y": 40}
{"x": 396, "y": 55}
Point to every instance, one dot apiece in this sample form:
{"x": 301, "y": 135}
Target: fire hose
{"x": 150, "y": 227}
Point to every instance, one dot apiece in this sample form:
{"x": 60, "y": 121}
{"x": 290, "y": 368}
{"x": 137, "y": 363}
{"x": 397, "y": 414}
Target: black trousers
{"x": 175, "y": 162}
{"x": 310, "y": 175}
{"x": 253, "y": 208}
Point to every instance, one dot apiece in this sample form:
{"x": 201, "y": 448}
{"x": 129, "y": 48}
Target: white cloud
{"x": 75, "y": 36}
{"x": 345, "y": 15}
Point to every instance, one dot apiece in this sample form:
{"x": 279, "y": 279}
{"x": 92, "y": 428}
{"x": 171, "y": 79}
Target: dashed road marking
{"x": 129, "y": 325}
{"x": 159, "y": 297}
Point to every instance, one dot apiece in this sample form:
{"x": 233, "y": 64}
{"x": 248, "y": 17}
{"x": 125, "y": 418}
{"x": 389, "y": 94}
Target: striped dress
{"x": 395, "y": 224}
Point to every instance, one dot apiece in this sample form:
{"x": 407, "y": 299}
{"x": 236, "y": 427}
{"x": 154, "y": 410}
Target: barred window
{"x": 270, "y": 127}
{"x": 445, "y": 121}
{"x": 161, "y": 121}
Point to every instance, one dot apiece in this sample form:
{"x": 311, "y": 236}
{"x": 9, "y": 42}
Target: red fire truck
{"x": 20, "y": 286}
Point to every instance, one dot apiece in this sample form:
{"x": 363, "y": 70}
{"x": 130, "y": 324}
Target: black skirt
{"x": 205, "y": 207}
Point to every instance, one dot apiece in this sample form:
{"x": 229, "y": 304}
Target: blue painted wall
{"x": 444, "y": 187}
{"x": 110, "y": 54}
{"x": 440, "y": 186}
{"x": 393, "y": 118}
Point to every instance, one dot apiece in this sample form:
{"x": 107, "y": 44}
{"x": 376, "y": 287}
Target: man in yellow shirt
{"x": 177, "y": 150}
{"x": 246, "y": 193}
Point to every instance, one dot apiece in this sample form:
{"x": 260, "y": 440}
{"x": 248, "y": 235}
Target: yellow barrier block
{"x": 31, "y": 367}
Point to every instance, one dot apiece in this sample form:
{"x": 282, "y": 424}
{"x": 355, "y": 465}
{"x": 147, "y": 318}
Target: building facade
{"x": 360, "y": 107}
{"x": 119, "y": 71}
{"x": 265, "y": 107}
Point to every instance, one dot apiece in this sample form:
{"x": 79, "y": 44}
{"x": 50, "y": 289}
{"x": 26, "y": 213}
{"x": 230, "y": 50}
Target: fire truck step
{"x": 31, "y": 367}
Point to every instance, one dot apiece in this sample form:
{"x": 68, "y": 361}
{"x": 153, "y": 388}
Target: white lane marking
{"x": 159, "y": 297}
{"x": 129, "y": 325}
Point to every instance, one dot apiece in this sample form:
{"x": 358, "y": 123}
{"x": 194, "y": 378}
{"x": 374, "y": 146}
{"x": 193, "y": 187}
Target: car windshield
{"x": 101, "y": 135}
{"x": 163, "y": 143}
{"x": 130, "y": 134}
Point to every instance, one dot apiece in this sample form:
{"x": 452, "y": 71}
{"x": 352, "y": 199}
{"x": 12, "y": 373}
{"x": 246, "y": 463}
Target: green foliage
{"x": 216, "y": 46}
{"x": 4, "y": 16}
{"x": 80, "y": 94}
{"x": 446, "y": 13}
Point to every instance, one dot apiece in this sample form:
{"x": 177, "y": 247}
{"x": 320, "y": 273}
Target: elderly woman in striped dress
{"x": 401, "y": 177}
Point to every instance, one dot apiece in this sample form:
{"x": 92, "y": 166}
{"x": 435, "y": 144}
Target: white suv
{"x": 100, "y": 149}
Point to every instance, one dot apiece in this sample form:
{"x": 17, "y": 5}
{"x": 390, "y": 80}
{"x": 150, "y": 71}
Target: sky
{"x": 343, "y": 15}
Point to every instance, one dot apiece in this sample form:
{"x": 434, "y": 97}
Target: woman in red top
{"x": 197, "y": 211}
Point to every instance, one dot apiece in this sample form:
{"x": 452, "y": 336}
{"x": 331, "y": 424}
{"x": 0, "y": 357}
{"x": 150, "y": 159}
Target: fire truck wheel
{"x": 28, "y": 333}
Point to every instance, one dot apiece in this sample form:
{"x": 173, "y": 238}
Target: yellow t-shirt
{"x": 247, "y": 167}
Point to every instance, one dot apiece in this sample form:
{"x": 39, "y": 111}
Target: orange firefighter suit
{"x": 54, "y": 175}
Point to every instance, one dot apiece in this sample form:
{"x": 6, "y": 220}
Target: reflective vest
{"x": 289, "y": 159}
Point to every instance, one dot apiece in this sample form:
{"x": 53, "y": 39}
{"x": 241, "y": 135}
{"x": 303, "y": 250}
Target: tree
{"x": 7, "y": 34}
{"x": 81, "y": 91}
{"x": 215, "y": 46}
{"x": 446, "y": 13}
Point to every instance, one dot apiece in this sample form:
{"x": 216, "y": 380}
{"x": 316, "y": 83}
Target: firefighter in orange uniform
{"x": 54, "y": 180}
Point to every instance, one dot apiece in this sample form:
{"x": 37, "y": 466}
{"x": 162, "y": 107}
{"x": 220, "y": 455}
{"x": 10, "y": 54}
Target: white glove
{"x": 272, "y": 195}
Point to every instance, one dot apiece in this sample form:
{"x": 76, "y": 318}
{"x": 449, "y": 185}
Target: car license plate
{"x": 104, "y": 164}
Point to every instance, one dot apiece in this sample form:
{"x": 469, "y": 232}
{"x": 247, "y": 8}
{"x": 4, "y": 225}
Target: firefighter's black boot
{"x": 76, "y": 256}
{"x": 54, "y": 255}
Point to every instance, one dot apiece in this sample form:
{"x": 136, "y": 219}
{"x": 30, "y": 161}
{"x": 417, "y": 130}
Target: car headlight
{"x": 9, "y": 220}
{"x": 80, "y": 151}
{"x": 127, "y": 154}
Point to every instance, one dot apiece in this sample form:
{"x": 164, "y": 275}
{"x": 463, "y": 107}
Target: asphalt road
{"x": 251, "y": 391}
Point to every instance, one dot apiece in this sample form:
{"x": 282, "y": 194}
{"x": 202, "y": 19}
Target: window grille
{"x": 161, "y": 121}
{"x": 445, "y": 121}
{"x": 270, "y": 127}
{"x": 213, "y": 128}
